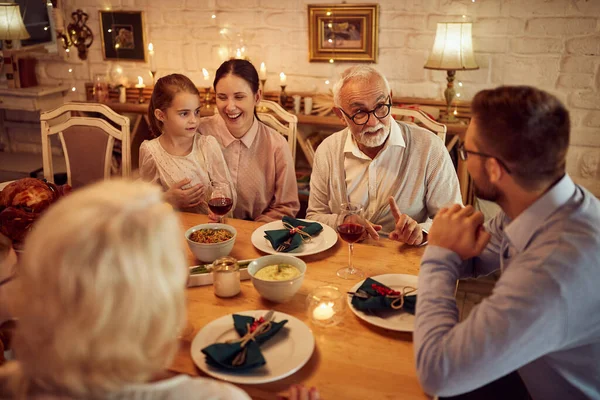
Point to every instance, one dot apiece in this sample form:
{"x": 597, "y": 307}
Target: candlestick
{"x": 151, "y": 58}
{"x": 283, "y": 96}
{"x": 140, "y": 86}
{"x": 153, "y": 73}
{"x": 262, "y": 73}
{"x": 282, "y": 79}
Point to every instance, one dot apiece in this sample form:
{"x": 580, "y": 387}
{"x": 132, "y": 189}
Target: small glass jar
{"x": 325, "y": 306}
{"x": 226, "y": 277}
{"x": 100, "y": 88}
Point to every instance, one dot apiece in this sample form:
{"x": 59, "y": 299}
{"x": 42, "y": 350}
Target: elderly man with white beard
{"x": 400, "y": 173}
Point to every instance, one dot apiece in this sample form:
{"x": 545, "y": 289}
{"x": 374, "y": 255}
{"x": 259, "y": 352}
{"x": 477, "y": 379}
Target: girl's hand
{"x": 185, "y": 198}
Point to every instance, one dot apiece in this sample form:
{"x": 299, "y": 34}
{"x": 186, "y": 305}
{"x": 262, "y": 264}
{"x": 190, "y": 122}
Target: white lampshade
{"x": 453, "y": 47}
{"x": 11, "y": 23}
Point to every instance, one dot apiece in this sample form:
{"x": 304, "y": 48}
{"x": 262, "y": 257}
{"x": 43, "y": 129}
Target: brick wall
{"x": 552, "y": 44}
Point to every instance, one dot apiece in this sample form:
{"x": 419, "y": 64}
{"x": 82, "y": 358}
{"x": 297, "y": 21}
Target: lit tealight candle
{"x": 282, "y": 78}
{"x": 323, "y": 311}
{"x": 263, "y": 71}
{"x": 140, "y": 83}
{"x": 206, "y": 75}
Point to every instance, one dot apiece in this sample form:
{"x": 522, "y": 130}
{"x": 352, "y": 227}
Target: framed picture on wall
{"x": 343, "y": 32}
{"x": 123, "y": 35}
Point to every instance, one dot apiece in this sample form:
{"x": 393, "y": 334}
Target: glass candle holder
{"x": 226, "y": 277}
{"x": 325, "y": 306}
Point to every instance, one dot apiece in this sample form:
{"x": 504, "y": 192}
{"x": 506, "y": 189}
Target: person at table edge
{"x": 380, "y": 163}
{"x": 542, "y": 317}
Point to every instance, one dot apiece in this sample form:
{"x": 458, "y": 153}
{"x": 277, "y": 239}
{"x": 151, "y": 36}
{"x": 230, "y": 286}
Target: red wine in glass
{"x": 220, "y": 205}
{"x": 349, "y": 232}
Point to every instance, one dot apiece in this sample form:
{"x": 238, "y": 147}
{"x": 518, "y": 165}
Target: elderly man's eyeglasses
{"x": 362, "y": 117}
{"x": 463, "y": 153}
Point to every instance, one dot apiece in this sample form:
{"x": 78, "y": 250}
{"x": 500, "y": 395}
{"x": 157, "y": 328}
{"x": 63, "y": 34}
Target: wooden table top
{"x": 353, "y": 360}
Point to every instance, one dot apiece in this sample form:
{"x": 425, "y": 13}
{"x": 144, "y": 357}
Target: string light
{"x": 70, "y": 70}
{"x": 331, "y": 61}
{"x": 213, "y": 16}
{"x": 73, "y": 89}
{"x": 327, "y": 82}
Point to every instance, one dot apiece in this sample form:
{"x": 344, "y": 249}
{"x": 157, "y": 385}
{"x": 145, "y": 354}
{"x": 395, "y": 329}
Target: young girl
{"x": 180, "y": 160}
{"x": 259, "y": 158}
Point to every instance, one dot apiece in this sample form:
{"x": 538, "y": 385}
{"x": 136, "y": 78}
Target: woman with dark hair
{"x": 259, "y": 159}
{"x": 179, "y": 159}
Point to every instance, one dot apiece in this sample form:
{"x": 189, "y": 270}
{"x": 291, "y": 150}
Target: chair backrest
{"x": 265, "y": 111}
{"x": 420, "y": 117}
{"x": 87, "y": 133}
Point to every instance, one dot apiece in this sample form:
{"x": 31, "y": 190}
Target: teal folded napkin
{"x": 377, "y": 301}
{"x": 221, "y": 355}
{"x": 280, "y": 237}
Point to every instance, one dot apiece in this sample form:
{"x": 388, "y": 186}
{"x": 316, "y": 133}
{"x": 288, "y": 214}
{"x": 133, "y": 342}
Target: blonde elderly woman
{"x": 100, "y": 301}
{"x": 401, "y": 174}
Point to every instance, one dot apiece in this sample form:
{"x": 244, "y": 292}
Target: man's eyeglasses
{"x": 362, "y": 117}
{"x": 463, "y": 153}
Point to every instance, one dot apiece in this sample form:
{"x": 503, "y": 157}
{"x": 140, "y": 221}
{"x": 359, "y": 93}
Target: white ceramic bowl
{"x": 209, "y": 252}
{"x": 277, "y": 291}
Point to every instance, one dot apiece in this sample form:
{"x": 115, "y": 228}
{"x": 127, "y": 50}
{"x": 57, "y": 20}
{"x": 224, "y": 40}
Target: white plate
{"x": 285, "y": 353}
{"x": 393, "y": 320}
{"x": 324, "y": 240}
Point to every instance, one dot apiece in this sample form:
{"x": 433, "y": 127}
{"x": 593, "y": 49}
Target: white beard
{"x": 373, "y": 140}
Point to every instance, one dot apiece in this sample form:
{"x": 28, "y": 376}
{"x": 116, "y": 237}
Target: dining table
{"x": 351, "y": 360}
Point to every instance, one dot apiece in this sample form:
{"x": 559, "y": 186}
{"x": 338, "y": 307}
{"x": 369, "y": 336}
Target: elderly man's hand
{"x": 459, "y": 229}
{"x": 407, "y": 230}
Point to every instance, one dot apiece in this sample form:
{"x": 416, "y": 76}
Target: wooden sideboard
{"x": 309, "y": 126}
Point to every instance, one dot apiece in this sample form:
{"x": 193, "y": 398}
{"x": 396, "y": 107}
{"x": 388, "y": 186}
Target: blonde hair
{"x": 363, "y": 73}
{"x": 103, "y": 290}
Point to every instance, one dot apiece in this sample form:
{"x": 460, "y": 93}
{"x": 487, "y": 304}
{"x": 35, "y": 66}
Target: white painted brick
{"x": 286, "y": 19}
{"x": 560, "y": 26}
{"x": 237, "y": 4}
{"x": 154, "y": 17}
{"x": 592, "y": 119}
{"x": 575, "y": 81}
{"x": 530, "y": 45}
{"x": 413, "y": 6}
{"x": 268, "y": 36}
{"x": 204, "y": 4}
{"x": 403, "y": 65}
{"x": 392, "y": 38}
{"x": 279, "y": 4}
{"x": 163, "y": 5}
{"x": 492, "y": 44}
{"x": 583, "y": 7}
{"x": 498, "y": 26}
{"x": 577, "y": 117}
{"x": 169, "y": 56}
{"x": 517, "y": 70}
{"x": 403, "y": 21}
{"x": 190, "y": 57}
{"x": 585, "y": 137}
{"x": 420, "y": 41}
{"x": 434, "y": 19}
{"x": 169, "y": 33}
{"x": 591, "y": 184}
{"x": 210, "y": 34}
{"x": 520, "y": 8}
{"x": 426, "y": 90}
{"x": 238, "y": 19}
{"x": 480, "y": 76}
{"x": 585, "y": 99}
{"x": 125, "y": 4}
{"x": 589, "y": 45}
{"x": 198, "y": 18}
{"x": 297, "y": 38}
{"x": 578, "y": 64}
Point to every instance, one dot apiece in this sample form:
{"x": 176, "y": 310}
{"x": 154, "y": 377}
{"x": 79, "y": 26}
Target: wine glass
{"x": 350, "y": 226}
{"x": 220, "y": 199}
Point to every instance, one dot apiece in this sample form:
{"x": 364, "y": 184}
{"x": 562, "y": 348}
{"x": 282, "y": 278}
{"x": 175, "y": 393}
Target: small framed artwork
{"x": 343, "y": 32}
{"x": 123, "y": 35}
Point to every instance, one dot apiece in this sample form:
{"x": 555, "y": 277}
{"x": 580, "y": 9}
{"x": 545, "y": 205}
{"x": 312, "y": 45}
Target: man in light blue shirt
{"x": 543, "y": 317}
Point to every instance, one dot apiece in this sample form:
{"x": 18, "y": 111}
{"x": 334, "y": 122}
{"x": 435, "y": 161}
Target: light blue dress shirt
{"x": 543, "y": 316}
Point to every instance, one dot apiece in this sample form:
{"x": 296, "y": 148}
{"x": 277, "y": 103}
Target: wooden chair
{"x": 422, "y": 118}
{"x": 87, "y": 133}
{"x": 273, "y": 114}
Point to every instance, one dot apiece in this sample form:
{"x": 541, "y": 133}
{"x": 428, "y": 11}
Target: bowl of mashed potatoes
{"x": 277, "y": 277}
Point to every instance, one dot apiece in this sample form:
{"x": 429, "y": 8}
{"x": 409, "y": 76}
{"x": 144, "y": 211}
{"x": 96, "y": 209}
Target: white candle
{"x": 282, "y": 79}
{"x": 151, "y": 57}
{"x": 206, "y": 75}
{"x": 263, "y": 71}
{"x": 226, "y": 283}
{"x": 140, "y": 83}
{"x": 323, "y": 311}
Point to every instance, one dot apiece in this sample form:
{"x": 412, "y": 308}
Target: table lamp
{"x": 452, "y": 50}
{"x": 11, "y": 24}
